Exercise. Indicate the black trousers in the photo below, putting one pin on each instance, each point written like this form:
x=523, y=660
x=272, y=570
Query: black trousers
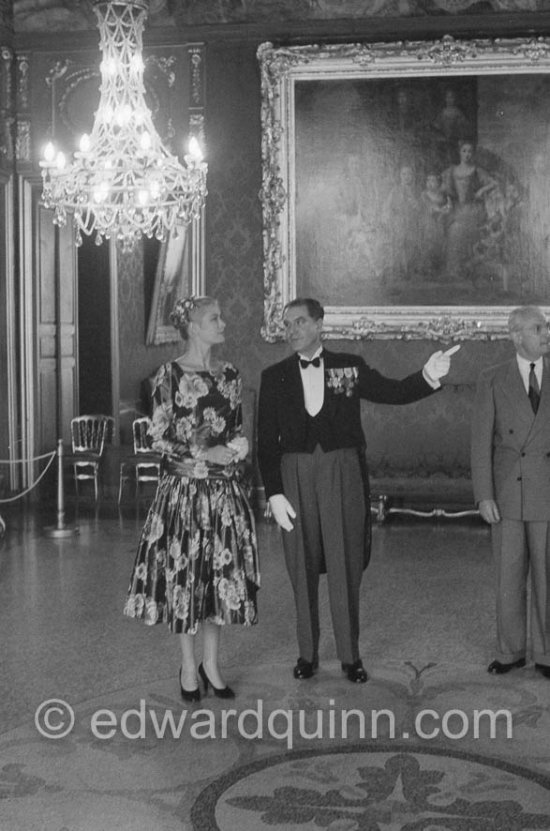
x=327, y=492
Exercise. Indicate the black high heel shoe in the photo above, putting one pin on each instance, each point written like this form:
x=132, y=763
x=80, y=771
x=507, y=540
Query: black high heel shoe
x=221, y=692
x=189, y=695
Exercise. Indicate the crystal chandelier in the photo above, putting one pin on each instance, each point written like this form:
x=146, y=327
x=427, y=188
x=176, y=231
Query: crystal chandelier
x=123, y=182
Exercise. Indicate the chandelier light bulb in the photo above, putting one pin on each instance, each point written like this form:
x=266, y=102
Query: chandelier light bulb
x=49, y=152
x=124, y=182
x=195, y=149
x=84, y=143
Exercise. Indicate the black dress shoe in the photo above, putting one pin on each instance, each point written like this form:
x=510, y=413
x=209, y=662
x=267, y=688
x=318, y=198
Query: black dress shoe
x=189, y=695
x=497, y=668
x=543, y=669
x=356, y=672
x=221, y=692
x=304, y=669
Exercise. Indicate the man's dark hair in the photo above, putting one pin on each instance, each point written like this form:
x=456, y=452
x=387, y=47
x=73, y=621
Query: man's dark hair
x=314, y=308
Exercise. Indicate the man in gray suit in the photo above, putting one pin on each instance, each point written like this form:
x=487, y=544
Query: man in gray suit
x=511, y=480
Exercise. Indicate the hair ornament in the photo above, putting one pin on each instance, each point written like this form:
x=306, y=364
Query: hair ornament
x=181, y=315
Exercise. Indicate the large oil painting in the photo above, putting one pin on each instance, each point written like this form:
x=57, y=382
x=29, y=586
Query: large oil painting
x=406, y=186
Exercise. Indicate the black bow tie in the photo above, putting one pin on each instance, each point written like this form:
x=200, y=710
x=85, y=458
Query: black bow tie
x=304, y=363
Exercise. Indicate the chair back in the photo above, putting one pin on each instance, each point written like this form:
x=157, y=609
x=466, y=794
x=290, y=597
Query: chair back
x=90, y=432
x=142, y=439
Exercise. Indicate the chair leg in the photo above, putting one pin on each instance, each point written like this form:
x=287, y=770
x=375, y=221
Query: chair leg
x=122, y=479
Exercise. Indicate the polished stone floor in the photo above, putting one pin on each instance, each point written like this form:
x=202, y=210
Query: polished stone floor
x=427, y=636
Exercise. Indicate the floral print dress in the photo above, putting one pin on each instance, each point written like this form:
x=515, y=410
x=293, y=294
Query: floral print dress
x=197, y=559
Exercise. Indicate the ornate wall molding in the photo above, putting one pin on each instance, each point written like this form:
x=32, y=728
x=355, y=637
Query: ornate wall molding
x=7, y=117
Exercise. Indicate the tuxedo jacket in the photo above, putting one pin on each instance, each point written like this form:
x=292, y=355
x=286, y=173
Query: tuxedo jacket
x=510, y=445
x=282, y=416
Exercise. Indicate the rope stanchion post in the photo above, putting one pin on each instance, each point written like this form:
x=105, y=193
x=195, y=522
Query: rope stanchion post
x=61, y=529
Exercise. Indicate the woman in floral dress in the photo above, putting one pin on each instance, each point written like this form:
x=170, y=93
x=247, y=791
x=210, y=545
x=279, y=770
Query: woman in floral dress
x=197, y=559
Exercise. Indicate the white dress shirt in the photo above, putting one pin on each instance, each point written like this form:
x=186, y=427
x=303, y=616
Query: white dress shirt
x=313, y=382
x=525, y=368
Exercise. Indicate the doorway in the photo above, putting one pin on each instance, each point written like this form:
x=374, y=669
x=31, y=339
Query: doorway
x=95, y=381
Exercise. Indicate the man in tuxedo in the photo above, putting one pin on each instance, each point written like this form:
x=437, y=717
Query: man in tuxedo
x=511, y=480
x=311, y=456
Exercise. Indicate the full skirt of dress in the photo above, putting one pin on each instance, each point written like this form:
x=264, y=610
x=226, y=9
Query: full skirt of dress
x=197, y=559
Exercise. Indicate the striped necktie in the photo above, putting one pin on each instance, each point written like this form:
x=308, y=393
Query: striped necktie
x=534, y=389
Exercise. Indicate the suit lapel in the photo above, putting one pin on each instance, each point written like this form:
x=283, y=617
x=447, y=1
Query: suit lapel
x=331, y=401
x=545, y=386
x=543, y=412
x=515, y=391
x=337, y=404
x=293, y=389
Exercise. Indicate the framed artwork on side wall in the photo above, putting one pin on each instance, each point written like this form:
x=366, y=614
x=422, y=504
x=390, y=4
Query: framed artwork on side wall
x=179, y=272
x=405, y=185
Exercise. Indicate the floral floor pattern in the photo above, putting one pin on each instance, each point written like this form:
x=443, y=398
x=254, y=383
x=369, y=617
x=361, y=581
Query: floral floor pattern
x=376, y=789
x=94, y=735
x=278, y=758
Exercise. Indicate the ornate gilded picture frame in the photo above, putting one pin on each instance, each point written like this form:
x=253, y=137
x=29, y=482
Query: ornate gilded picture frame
x=406, y=185
x=179, y=273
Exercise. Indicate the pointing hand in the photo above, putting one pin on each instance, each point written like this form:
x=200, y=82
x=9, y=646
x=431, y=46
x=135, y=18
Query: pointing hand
x=439, y=363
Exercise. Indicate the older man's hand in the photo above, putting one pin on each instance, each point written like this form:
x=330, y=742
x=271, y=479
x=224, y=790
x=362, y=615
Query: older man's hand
x=488, y=509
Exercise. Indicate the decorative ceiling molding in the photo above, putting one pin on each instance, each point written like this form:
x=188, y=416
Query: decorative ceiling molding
x=77, y=15
x=73, y=15
x=205, y=12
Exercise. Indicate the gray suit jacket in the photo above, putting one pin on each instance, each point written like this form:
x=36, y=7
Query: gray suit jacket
x=510, y=445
